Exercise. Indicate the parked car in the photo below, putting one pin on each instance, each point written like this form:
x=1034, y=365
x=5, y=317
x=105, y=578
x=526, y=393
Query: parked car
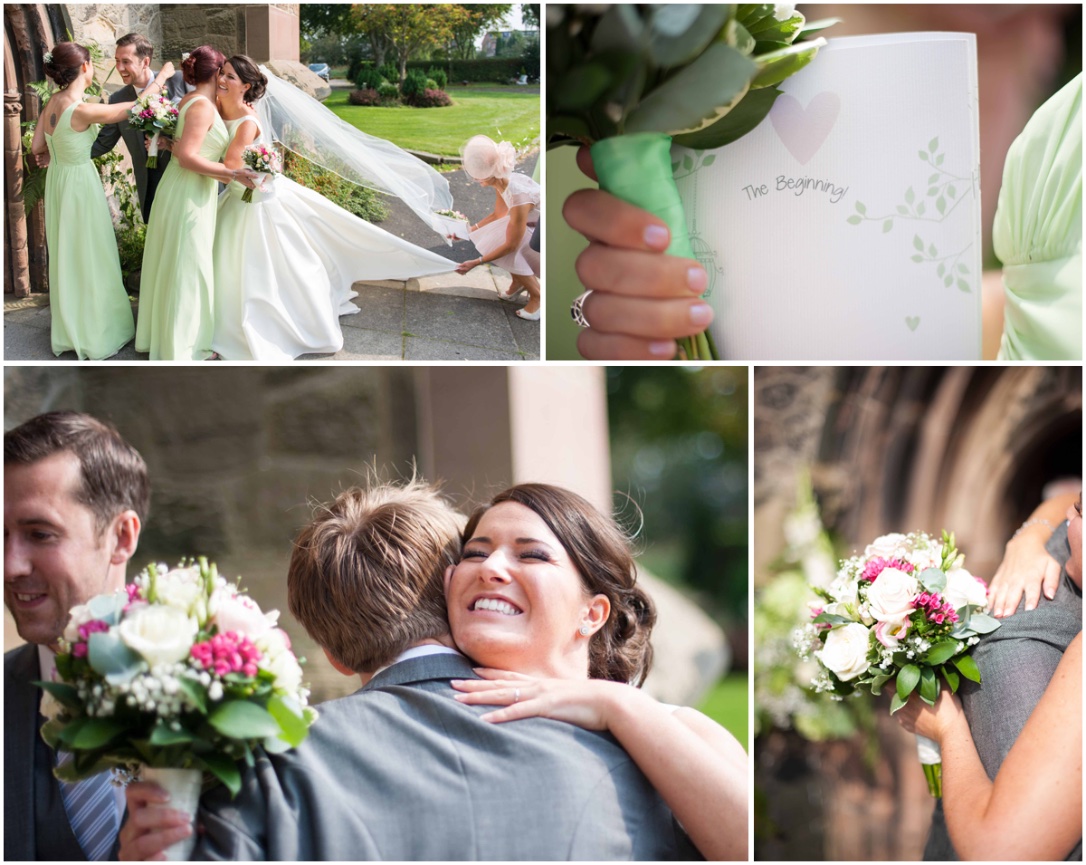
x=321, y=69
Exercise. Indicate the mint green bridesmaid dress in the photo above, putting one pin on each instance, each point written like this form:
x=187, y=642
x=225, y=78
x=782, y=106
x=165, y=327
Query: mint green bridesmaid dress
x=1037, y=233
x=88, y=305
x=177, y=286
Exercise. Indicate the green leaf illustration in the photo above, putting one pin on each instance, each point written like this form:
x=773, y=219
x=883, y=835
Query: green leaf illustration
x=952, y=192
x=940, y=204
x=933, y=179
x=932, y=191
x=918, y=243
x=708, y=160
x=902, y=209
x=949, y=279
x=910, y=196
x=964, y=286
x=962, y=268
x=939, y=159
x=860, y=207
x=854, y=219
x=932, y=251
x=920, y=209
x=942, y=269
x=933, y=145
x=923, y=155
x=886, y=226
x=674, y=167
x=918, y=258
x=688, y=163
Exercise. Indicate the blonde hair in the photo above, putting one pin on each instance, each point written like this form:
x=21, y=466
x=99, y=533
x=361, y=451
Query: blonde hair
x=366, y=576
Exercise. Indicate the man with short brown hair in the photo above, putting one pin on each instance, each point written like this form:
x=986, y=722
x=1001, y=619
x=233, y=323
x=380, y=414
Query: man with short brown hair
x=75, y=495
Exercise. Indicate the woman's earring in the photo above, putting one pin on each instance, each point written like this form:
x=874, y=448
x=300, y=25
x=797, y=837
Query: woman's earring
x=585, y=630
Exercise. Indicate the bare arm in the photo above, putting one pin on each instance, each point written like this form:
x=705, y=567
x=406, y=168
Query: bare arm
x=235, y=153
x=518, y=224
x=500, y=209
x=1027, y=568
x=696, y=766
x=1033, y=810
x=87, y=113
x=38, y=147
x=198, y=121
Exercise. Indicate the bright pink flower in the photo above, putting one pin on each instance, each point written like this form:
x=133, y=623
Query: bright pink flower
x=79, y=650
x=227, y=653
x=94, y=626
x=877, y=565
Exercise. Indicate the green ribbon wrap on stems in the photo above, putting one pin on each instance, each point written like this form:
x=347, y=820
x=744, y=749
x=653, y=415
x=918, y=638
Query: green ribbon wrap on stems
x=637, y=169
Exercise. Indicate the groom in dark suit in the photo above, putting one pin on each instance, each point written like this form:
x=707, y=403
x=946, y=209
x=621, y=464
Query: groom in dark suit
x=400, y=770
x=75, y=493
x=133, y=57
x=1016, y=662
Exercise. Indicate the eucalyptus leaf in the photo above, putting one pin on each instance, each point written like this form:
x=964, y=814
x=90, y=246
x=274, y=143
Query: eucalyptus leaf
x=982, y=623
x=697, y=95
x=932, y=579
x=775, y=67
x=679, y=32
x=620, y=28
x=110, y=657
x=742, y=119
x=109, y=607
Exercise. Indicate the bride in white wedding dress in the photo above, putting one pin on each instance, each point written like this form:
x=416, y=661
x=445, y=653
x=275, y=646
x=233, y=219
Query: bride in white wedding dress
x=285, y=262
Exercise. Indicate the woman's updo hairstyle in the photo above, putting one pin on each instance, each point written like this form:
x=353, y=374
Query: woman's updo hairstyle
x=202, y=64
x=248, y=73
x=63, y=64
x=598, y=548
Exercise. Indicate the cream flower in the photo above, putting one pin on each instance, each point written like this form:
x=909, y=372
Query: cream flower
x=159, y=634
x=890, y=598
x=845, y=651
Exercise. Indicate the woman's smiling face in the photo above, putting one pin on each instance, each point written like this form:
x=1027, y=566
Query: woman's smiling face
x=230, y=84
x=516, y=601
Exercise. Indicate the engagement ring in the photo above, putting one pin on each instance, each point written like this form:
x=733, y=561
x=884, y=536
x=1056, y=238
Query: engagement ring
x=577, y=310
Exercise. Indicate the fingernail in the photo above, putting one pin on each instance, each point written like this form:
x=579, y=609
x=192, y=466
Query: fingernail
x=701, y=314
x=657, y=236
x=697, y=280
x=662, y=348
x=1050, y=594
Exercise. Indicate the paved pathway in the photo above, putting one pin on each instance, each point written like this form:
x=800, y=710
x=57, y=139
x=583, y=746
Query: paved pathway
x=445, y=317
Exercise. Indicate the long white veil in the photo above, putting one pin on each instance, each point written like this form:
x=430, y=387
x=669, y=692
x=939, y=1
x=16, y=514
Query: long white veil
x=300, y=123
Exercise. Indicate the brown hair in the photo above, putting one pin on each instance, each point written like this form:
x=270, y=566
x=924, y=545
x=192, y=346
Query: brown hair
x=66, y=60
x=366, y=578
x=140, y=43
x=202, y=64
x=620, y=650
x=248, y=73
x=113, y=474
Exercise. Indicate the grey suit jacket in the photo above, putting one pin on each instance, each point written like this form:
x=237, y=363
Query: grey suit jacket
x=35, y=822
x=111, y=133
x=400, y=770
x=1016, y=662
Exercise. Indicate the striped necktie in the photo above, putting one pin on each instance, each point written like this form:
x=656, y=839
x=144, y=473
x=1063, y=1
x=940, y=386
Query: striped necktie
x=92, y=811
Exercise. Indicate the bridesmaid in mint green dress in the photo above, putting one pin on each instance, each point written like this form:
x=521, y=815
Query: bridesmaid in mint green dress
x=177, y=287
x=89, y=308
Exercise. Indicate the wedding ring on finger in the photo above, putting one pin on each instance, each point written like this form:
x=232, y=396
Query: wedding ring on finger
x=577, y=310
x=516, y=695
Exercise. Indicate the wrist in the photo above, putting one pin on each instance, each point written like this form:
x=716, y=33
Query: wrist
x=1037, y=527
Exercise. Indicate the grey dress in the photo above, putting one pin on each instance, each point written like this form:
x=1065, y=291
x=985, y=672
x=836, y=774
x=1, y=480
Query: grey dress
x=1016, y=663
x=400, y=770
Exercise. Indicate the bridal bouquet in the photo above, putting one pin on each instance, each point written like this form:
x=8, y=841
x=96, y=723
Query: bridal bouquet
x=453, y=223
x=264, y=159
x=177, y=671
x=631, y=79
x=908, y=610
x=154, y=114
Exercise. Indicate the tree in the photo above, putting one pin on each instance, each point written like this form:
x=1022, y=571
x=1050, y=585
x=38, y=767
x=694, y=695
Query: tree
x=480, y=16
x=529, y=15
x=322, y=19
x=405, y=30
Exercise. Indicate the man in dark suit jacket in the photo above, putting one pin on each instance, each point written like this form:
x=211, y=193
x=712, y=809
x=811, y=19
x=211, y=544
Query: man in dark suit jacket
x=133, y=57
x=1016, y=661
x=74, y=496
x=401, y=770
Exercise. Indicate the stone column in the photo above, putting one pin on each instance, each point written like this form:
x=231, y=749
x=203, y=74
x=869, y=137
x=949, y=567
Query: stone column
x=17, y=274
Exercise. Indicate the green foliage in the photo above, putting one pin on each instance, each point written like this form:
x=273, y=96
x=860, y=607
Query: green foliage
x=438, y=76
x=414, y=83
x=368, y=78
x=497, y=69
x=362, y=202
x=389, y=93
x=389, y=72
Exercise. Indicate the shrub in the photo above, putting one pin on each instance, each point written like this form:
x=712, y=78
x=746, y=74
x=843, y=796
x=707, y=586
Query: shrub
x=415, y=82
x=368, y=78
x=483, y=69
x=390, y=72
x=431, y=84
x=429, y=98
x=438, y=76
x=362, y=202
x=364, y=97
x=388, y=92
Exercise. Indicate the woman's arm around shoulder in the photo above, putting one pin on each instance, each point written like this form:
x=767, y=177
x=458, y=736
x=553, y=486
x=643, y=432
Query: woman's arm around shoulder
x=243, y=137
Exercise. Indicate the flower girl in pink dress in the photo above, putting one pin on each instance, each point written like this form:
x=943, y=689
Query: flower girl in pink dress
x=503, y=236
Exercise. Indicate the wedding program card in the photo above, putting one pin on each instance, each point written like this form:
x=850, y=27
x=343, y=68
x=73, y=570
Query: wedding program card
x=847, y=225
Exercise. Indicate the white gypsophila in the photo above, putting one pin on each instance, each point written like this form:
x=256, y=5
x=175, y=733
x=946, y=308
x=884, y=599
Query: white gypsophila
x=963, y=589
x=890, y=598
x=287, y=672
x=159, y=634
x=845, y=651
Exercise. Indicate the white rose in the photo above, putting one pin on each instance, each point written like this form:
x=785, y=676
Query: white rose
x=160, y=634
x=888, y=547
x=272, y=643
x=287, y=671
x=890, y=598
x=237, y=613
x=962, y=589
x=845, y=651
x=181, y=588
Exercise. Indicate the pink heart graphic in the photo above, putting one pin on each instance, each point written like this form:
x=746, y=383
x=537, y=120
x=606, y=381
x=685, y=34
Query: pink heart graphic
x=804, y=130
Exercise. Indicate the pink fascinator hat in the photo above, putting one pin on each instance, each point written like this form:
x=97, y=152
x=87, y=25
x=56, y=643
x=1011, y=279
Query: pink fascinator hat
x=485, y=158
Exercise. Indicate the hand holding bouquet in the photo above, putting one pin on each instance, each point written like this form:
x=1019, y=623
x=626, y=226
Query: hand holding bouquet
x=453, y=223
x=907, y=610
x=629, y=80
x=153, y=114
x=264, y=160
x=178, y=670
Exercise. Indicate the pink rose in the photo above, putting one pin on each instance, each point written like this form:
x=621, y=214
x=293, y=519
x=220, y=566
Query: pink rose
x=238, y=613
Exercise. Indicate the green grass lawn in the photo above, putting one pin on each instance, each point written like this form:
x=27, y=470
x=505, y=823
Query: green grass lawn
x=727, y=705
x=503, y=113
